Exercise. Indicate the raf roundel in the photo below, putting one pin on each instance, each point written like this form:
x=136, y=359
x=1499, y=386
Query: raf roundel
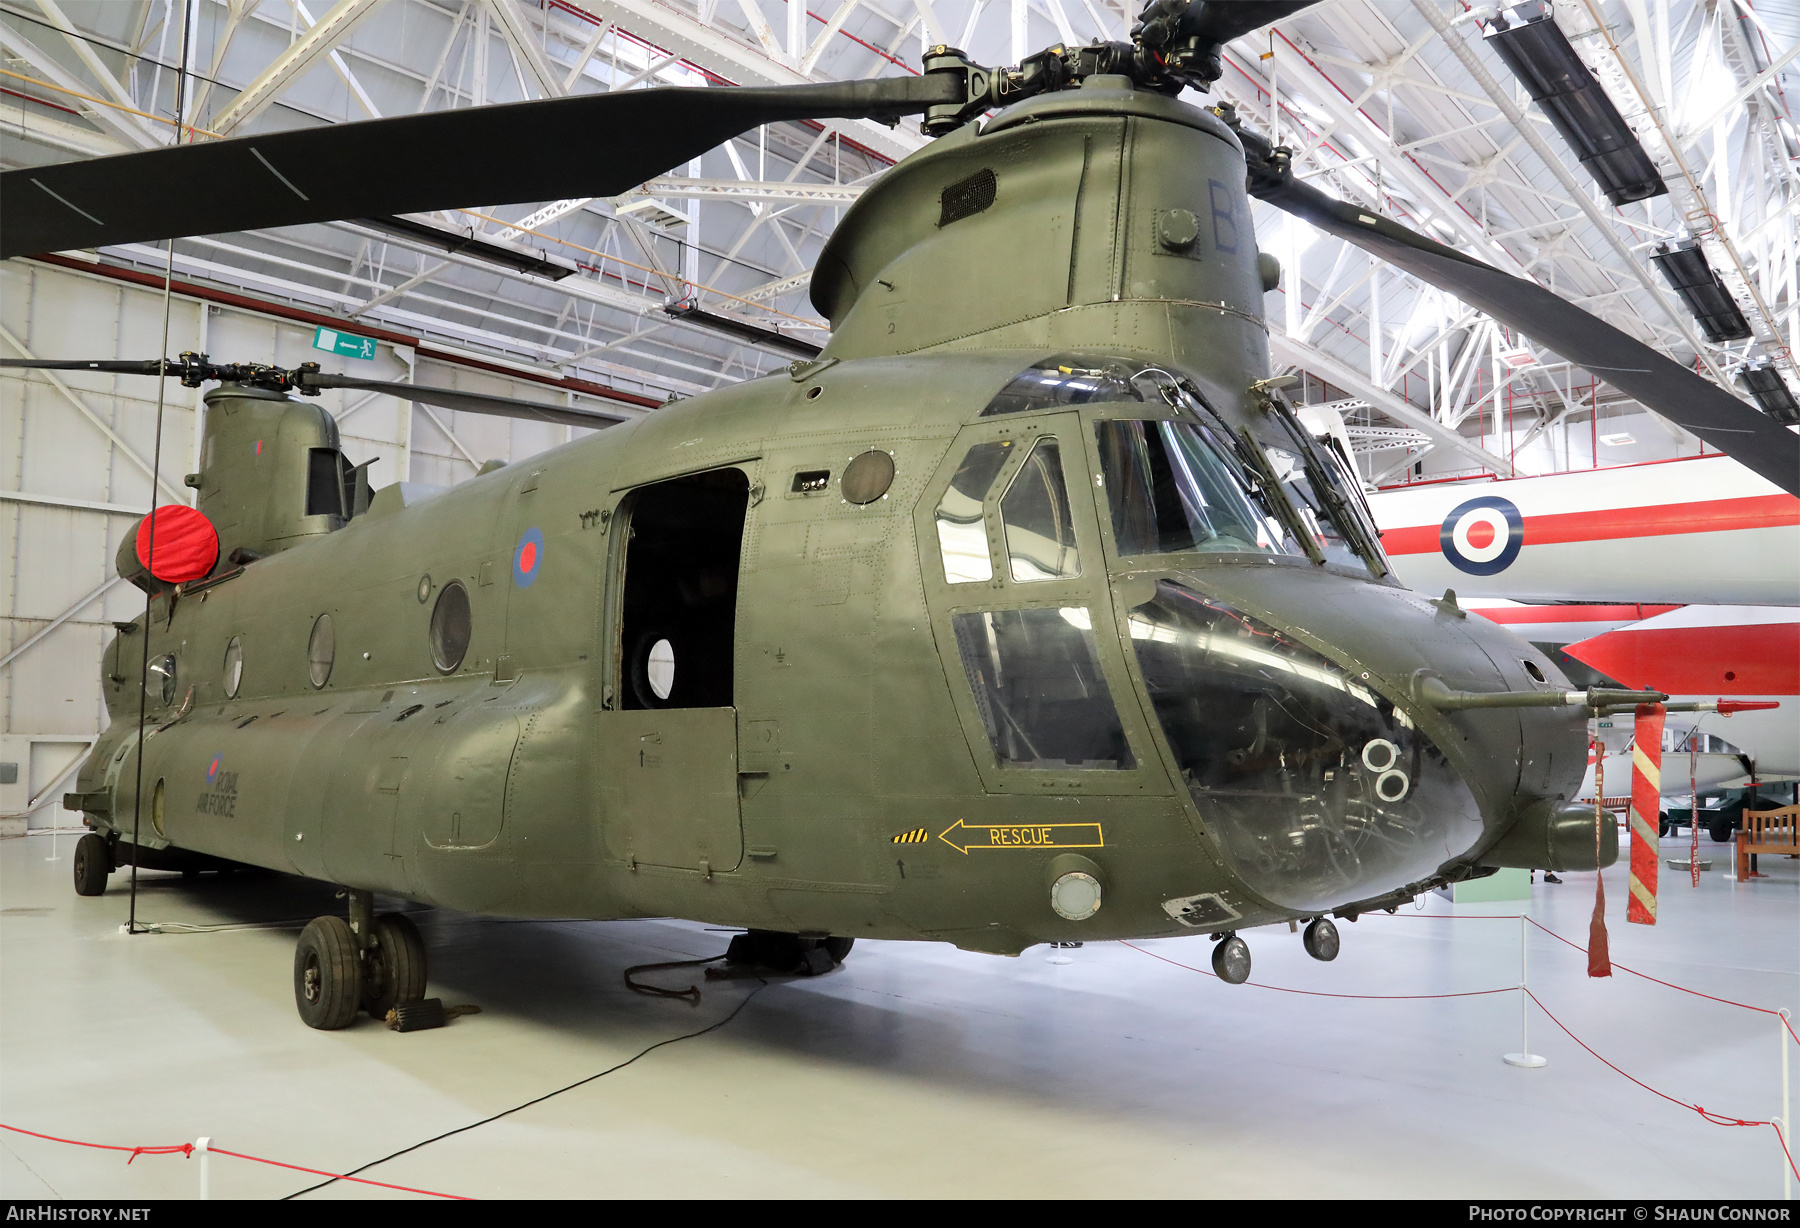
x=1483, y=536
x=528, y=557
x=212, y=768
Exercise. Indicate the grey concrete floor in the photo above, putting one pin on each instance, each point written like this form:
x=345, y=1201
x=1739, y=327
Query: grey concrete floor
x=913, y=1070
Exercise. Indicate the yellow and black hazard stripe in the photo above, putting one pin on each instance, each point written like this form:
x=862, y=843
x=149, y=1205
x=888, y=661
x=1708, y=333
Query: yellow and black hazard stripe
x=917, y=835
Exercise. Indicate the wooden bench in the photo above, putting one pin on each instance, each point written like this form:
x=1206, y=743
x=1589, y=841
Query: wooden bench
x=1776, y=832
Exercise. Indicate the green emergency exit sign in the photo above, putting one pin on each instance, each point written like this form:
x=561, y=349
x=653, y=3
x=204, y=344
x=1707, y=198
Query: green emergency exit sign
x=348, y=344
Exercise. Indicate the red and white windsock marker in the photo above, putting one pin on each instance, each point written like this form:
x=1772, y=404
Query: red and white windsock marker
x=1646, y=807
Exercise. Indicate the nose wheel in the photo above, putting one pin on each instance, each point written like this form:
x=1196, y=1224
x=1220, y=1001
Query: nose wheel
x=1231, y=960
x=1321, y=939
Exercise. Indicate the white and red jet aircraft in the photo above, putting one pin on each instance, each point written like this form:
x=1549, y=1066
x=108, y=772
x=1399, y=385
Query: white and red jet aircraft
x=1747, y=653
x=1560, y=623
x=1701, y=531
x=1695, y=529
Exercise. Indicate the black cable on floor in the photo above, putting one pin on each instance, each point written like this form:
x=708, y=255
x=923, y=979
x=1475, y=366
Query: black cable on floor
x=711, y=1027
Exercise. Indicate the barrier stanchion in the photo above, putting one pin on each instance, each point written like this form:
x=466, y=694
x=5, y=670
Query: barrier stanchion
x=203, y=1147
x=1524, y=1057
x=1782, y=1130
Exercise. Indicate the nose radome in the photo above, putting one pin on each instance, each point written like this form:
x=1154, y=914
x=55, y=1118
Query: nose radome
x=1317, y=781
x=1385, y=789
x=1396, y=639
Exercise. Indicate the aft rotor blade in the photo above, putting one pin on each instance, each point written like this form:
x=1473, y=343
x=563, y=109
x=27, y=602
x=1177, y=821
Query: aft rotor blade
x=468, y=402
x=114, y=366
x=550, y=149
x=1666, y=387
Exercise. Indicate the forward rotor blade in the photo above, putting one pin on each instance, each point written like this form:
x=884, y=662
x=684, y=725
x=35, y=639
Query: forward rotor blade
x=1220, y=22
x=115, y=366
x=468, y=402
x=551, y=149
x=1668, y=388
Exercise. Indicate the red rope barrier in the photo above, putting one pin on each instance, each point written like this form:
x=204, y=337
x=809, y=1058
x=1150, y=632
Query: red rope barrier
x=1786, y=1023
x=1314, y=993
x=1717, y=1119
x=181, y=1149
x=319, y=1172
x=1762, y=1010
x=186, y=1150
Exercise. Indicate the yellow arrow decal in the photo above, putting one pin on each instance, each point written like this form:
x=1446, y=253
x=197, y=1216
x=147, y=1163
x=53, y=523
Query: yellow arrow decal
x=965, y=836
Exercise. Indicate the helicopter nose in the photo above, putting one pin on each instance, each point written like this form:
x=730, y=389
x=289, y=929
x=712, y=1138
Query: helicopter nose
x=1292, y=701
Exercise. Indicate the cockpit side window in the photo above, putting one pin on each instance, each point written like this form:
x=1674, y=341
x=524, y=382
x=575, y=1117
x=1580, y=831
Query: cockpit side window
x=1172, y=486
x=962, y=537
x=1040, y=691
x=1040, y=530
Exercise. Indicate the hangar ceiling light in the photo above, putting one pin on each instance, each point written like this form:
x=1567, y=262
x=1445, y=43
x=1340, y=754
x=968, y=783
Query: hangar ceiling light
x=1685, y=268
x=1765, y=385
x=1544, y=62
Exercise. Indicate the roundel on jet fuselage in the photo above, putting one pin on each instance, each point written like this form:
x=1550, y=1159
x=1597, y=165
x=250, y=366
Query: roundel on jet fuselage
x=1482, y=536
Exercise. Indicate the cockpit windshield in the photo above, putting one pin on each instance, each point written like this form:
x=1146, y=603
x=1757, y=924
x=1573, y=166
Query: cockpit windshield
x=1315, y=513
x=1192, y=484
x=1175, y=486
x=1314, y=478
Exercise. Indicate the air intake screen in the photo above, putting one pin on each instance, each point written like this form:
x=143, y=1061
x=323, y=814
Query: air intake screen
x=966, y=197
x=324, y=487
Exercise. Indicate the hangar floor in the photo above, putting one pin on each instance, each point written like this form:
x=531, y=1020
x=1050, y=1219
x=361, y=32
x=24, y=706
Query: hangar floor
x=913, y=1070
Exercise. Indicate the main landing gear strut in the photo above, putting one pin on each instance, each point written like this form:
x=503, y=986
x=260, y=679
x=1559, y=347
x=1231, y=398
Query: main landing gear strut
x=366, y=962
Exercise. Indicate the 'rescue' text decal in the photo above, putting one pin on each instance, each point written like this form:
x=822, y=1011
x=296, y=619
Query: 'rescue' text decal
x=966, y=836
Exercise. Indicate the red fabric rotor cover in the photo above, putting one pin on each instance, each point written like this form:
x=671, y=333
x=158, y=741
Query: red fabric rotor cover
x=187, y=545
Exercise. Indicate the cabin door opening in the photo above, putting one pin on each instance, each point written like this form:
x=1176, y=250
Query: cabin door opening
x=680, y=606
x=671, y=741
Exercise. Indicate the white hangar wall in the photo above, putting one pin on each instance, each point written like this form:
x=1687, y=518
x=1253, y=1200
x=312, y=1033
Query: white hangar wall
x=75, y=457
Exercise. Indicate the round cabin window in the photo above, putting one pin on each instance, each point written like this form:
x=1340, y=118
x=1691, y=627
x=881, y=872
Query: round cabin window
x=659, y=669
x=234, y=666
x=321, y=651
x=450, y=627
x=867, y=477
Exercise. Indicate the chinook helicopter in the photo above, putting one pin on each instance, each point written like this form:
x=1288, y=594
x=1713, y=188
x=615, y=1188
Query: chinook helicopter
x=1027, y=612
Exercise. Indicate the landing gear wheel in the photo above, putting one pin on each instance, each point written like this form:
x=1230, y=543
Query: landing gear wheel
x=1720, y=832
x=1663, y=826
x=93, y=862
x=327, y=976
x=839, y=948
x=393, y=968
x=1321, y=939
x=1231, y=960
